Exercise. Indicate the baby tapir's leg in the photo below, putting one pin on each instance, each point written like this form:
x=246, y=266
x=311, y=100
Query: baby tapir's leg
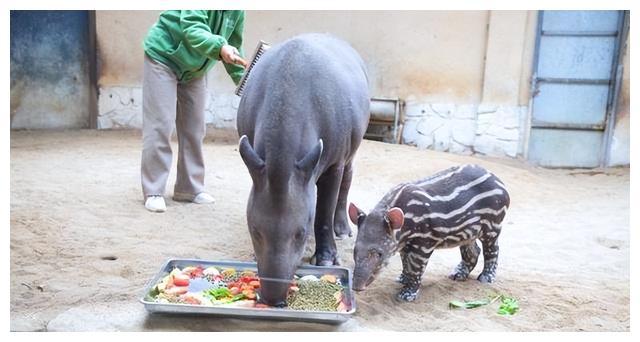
x=490, y=252
x=415, y=264
x=470, y=253
x=402, y=278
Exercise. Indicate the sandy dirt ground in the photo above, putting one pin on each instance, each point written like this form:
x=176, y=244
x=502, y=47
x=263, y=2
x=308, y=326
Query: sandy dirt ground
x=83, y=246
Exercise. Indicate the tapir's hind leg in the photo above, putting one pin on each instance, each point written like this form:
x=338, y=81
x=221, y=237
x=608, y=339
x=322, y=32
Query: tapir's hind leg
x=340, y=222
x=328, y=187
x=490, y=251
x=470, y=254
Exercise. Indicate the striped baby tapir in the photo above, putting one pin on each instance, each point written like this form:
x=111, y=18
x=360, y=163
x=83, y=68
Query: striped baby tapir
x=452, y=208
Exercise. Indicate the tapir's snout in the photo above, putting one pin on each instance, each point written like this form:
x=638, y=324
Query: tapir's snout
x=274, y=292
x=361, y=283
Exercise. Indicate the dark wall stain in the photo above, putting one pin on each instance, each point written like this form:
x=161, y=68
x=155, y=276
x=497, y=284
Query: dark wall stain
x=49, y=69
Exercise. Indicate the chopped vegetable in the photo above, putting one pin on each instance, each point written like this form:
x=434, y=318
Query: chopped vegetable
x=218, y=293
x=508, y=306
x=181, y=280
x=309, y=278
x=177, y=290
x=329, y=278
x=469, y=304
x=193, y=272
x=212, y=271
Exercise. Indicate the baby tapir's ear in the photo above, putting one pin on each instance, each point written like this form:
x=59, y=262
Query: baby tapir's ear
x=396, y=218
x=354, y=213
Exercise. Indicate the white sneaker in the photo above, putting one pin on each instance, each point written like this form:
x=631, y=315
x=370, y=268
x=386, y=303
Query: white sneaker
x=203, y=198
x=155, y=204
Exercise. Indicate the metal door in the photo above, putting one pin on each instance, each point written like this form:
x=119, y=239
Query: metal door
x=51, y=83
x=574, y=73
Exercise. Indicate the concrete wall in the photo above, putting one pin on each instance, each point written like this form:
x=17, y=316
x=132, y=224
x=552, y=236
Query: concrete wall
x=434, y=60
x=426, y=56
x=120, y=56
x=464, y=76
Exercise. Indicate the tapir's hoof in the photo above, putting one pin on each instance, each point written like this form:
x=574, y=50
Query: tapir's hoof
x=324, y=262
x=459, y=275
x=342, y=231
x=407, y=295
x=486, y=278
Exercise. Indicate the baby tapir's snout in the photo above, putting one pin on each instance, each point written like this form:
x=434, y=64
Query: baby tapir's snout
x=375, y=244
x=453, y=208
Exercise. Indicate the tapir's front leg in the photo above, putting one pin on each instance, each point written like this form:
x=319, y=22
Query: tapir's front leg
x=416, y=263
x=328, y=187
x=402, y=278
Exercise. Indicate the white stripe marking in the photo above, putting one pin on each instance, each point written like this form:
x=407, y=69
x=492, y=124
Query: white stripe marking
x=393, y=202
x=457, y=190
x=417, y=202
x=500, y=184
x=421, y=258
x=445, y=176
x=462, y=225
x=461, y=210
x=490, y=211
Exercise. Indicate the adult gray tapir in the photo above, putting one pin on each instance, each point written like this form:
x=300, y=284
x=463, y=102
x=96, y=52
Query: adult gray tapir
x=301, y=119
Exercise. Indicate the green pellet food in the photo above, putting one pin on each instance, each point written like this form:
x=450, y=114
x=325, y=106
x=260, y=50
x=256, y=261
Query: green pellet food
x=316, y=295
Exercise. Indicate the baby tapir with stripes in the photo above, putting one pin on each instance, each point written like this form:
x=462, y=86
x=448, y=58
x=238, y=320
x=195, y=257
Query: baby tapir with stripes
x=452, y=208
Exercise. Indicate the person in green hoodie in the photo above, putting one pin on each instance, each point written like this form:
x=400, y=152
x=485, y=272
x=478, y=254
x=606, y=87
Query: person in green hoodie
x=180, y=48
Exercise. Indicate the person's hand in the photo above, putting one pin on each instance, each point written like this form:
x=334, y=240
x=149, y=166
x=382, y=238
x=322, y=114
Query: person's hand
x=230, y=55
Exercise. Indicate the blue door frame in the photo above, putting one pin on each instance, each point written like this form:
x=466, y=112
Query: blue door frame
x=575, y=81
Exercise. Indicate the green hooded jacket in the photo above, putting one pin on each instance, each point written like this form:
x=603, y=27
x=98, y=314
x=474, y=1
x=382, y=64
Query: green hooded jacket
x=189, y=42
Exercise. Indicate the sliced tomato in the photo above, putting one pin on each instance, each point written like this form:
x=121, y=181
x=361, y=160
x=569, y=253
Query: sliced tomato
x=234, y=290
x=255, y=283
x=181, y=280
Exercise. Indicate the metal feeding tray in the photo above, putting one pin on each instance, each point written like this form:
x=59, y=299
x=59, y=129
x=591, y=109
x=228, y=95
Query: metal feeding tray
x=344, y=274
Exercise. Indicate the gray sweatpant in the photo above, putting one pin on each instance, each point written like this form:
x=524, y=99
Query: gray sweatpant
x=165, y=101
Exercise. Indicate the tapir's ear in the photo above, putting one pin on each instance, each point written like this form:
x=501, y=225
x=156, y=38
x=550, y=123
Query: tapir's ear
x=355, y=213
x=254, y=163
x=396, y=218
x=310, y=161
